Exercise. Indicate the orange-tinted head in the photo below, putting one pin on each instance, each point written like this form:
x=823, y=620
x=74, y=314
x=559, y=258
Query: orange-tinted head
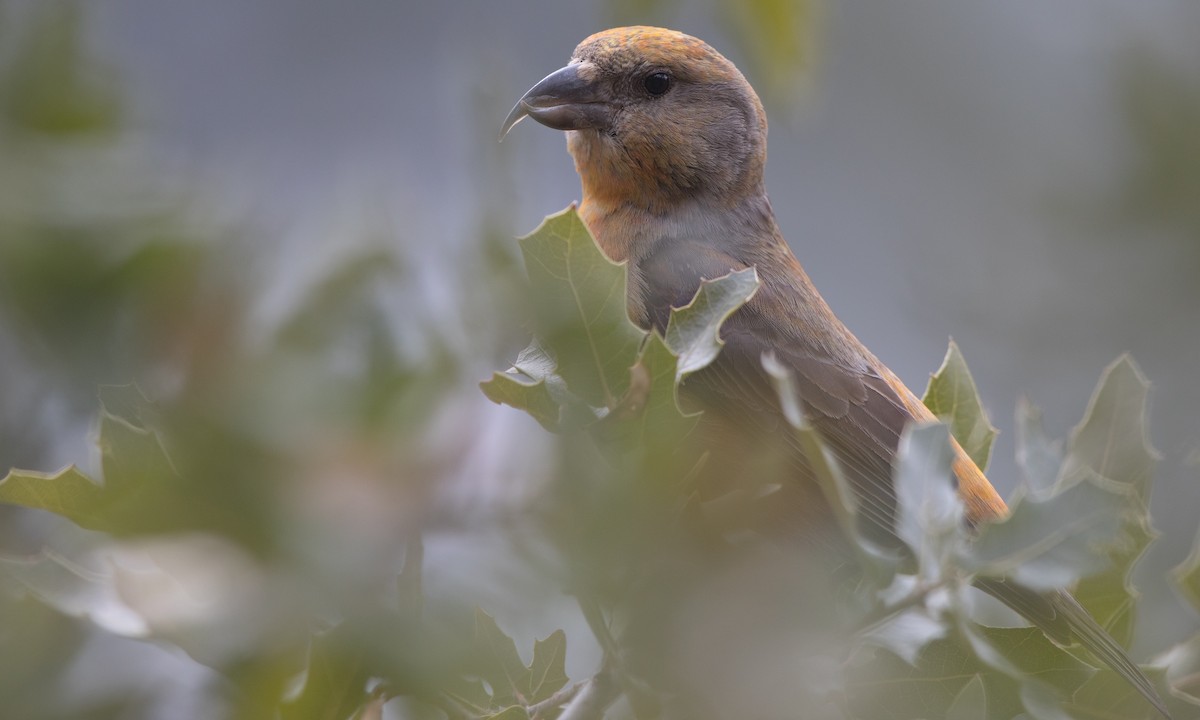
x=655, y=118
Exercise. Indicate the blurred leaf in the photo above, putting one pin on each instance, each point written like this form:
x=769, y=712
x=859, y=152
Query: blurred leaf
x=52, y=87
x=1025, y=653
x=499, y=662
x=1049, y=544
x=580, y=303
x=517, y=390
x=887, y=687
x=548, y=670
x=649, y=420
x=1105, y=696
x=1110, y=443
x=335, y=681
x=1187, y=575
x=329, y=310
x=68, y=492
x=953, y=397
x=779, y=37
x=929, y=513
x=834, y=486
x=971, y=702
x=1039, y=457
x=1182, y=664
x=906, y=633
x=694, y=330
x=515, y=712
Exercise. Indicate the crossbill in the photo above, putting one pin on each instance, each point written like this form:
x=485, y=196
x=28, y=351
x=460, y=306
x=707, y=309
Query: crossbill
x=670, y=143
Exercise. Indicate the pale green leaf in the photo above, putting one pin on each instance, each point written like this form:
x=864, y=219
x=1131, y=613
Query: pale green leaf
x=928, y=509
x=548, y=670
x=1110, y=446
x=579, y=298
x=518, y=390
x=1039, y=457
x=694, y=330
x=1049, y=543
x=499, y=662
x=335, y=680
x=970, y=703
x=1106, y=696
x=1187, y=575
x=952, y=396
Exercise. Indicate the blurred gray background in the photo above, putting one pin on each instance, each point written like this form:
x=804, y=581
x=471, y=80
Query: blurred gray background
x=1022, y=176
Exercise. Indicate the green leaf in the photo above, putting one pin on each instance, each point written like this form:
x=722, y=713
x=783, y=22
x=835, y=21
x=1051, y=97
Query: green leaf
x=970, y=703
x=1049, y=543
x=1110, y=442
x=694, y=330
x=518, y=390
x=928, y=510
x=952, y=396
x=650, y=418
x=1182, y=664
x=67, y=492
x=1187, y=575
x=1110, y=446
x=548, y=670
x=1106, y=696
x=579, y=297
x=499, y=663
x=1026, y=653
x=1039, y=457
x=335, y=681
x=888, y=687
x=134, y=498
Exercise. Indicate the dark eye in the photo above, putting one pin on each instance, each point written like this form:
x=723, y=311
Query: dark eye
x=657, y=83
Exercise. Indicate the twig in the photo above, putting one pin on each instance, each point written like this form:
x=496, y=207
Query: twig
x=593, y=698
x=558, y=699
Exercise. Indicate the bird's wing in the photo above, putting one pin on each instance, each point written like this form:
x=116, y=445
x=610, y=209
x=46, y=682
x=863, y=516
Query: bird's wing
x=858, y=413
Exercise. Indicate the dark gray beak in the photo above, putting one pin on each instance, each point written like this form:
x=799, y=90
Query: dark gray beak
x=564, y=100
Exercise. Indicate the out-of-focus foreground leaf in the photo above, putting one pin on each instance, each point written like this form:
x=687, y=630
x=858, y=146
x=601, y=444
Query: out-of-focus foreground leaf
x=1111, y=445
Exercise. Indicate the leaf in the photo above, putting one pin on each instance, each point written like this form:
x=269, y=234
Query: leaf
x=1111, y=440
x=694, y=330
x=650, y=419
x=579, y=298
x=886, y=687
x=134, y=498
x=548, y=670
x=953, y=397
x=1110, y=446
x=970, y=703
x=1187, y=575
x=335, y=680
x=1025, y=653
x=1106, y=696
x=1182, y=663
x=928, y=509
x=499, y=663
x=1050, y=543
x=1039, y=457
x=517, y=390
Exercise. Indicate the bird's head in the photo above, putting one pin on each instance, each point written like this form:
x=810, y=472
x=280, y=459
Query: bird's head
x=654, y=119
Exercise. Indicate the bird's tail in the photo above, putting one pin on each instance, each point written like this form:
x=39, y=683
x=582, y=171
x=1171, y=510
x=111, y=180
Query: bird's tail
x=1065, y=621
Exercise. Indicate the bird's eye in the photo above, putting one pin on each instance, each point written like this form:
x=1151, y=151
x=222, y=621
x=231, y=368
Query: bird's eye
x=657, y=83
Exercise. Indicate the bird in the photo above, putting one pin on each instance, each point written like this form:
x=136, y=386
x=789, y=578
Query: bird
x=670, y=143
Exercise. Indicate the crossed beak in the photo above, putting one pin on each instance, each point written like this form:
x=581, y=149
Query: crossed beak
x=566, y=99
